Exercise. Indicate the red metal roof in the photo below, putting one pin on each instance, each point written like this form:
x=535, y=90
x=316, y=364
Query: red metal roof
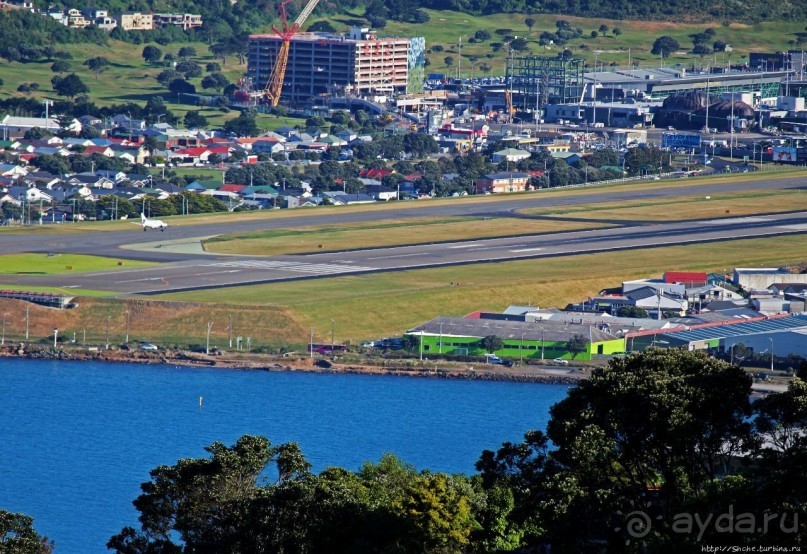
x=684, y=277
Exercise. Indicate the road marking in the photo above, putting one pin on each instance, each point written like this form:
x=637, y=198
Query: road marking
x=399, y=256
x=464, y=246
x=796, y=227
x=496, y=247
x=737, y=220
x=528, y=250
x=296, y=267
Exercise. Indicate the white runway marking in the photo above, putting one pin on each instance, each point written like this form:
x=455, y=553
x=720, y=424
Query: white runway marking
x=464, y=246
x=738, y=220
x=297, y=267
x=528, y=250
x=796, y=227
x=399, y=256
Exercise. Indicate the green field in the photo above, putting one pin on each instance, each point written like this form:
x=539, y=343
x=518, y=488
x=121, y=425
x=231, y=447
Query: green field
x=55, y=264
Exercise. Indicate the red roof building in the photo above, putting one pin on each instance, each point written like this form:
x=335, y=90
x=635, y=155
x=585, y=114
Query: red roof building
x=232, y=188
x=688, y=278
x=374, y=173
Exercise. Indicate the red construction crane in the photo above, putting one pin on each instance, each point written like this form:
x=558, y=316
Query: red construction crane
x=275, y=84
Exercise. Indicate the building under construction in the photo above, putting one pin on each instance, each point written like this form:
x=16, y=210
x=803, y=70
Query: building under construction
x=538, y=81
x=358, y=63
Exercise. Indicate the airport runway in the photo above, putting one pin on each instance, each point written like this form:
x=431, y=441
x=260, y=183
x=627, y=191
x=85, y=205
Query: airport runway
x=203, y=272
x=110, y=243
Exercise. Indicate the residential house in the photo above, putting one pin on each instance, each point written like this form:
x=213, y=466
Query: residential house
x=380, y=192
x=91, y=180
x=100, y=18
x=495, y=183
x=76, y=19
x=12, y=171
x=267, y=145
x=136, y=21
x=510, y=155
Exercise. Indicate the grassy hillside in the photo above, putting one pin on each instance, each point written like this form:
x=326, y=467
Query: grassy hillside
x=128, y=78
x=445, y=28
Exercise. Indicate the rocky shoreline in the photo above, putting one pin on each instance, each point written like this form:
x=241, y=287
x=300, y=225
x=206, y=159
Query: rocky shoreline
x=266, y=362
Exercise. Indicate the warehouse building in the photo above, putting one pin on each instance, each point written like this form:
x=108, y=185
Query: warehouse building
x=358, y=63
x=463, y=336
x=784, y=335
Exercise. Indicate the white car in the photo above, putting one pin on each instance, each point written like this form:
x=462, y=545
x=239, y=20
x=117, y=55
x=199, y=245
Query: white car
x=560, y=361
x=148, y=346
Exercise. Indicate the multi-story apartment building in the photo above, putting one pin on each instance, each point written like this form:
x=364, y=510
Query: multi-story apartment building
x=358, y=62
x=136, y=21
x=184, y=20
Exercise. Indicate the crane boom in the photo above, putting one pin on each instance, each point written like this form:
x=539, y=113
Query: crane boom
x=274, y=87
x=305, y=13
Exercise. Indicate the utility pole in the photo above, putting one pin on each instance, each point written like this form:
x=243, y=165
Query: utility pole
x=207, y=342
x=127, y=326
x=26, y=322
x=107, y=331
x=3, y=340
x=55, y=336
x=333, y=325
x=311, y=343
x=231, y=330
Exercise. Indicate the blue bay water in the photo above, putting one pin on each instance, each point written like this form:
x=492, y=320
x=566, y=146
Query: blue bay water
x=77, y=439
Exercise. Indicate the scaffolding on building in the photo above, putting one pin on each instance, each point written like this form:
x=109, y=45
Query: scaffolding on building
x=537, y=81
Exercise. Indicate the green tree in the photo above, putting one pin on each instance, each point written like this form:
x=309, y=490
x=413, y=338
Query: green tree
x=97, y=65
x=631, y=311
x=70, y=86
x=195, y=120
x=152, y=54
x=17, y=535
x=181, y=86
x=212, y=67
x=449, y=61
x=244, y=125
x=60, y=66
x=603, y=29
x=530, y=23
x=664, y=46
x=187, y=52
x=576, y=345
x=492, y=343
x=439, y=508
x=215, y=81
x=189, y=69
x=165, y=77
x=616, y=31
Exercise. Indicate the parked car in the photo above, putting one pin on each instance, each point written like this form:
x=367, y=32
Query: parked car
x=560, y=361
x=148, y=346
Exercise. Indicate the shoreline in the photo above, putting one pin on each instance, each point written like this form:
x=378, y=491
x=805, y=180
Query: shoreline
x=269, y=362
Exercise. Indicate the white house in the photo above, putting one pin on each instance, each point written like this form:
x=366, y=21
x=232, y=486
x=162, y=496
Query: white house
x=16, y=124
x=510, y=155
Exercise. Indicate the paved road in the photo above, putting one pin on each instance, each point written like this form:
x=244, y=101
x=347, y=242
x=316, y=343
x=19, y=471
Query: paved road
x=201, y=272
x=109, y=243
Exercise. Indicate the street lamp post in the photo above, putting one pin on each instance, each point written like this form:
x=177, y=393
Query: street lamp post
x=107, y=331
x=520, y=350
x=771, y=341
x=440, y=350
x=55, y=336
x=207, y=340
x=127, y=326
x=542, y=343
x=333, y=325
x=3, y=340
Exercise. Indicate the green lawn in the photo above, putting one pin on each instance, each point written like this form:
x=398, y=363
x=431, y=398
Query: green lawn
x=55, y=264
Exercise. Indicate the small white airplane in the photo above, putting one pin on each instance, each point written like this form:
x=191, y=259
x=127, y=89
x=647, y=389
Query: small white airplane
x=147, y=223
